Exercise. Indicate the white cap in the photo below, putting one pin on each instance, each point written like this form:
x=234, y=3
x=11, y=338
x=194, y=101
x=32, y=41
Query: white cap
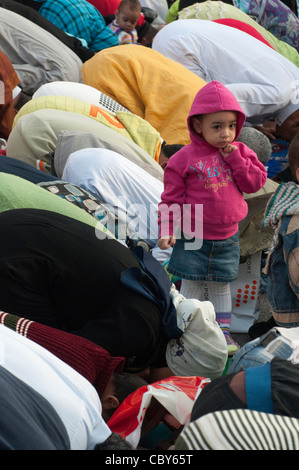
x=286, y=112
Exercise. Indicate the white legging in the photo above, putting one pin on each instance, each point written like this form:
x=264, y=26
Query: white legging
x=216, y=292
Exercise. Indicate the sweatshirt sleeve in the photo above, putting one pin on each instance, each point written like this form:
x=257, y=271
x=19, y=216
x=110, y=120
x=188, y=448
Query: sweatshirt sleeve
x=248, y=172
x=172, y=199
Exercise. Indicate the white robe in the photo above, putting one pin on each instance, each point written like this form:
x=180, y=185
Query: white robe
x=74, y=398
x=127, y=190
x=37, y=56
x=263, y=81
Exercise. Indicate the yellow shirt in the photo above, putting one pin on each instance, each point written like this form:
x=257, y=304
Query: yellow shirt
x=158, y=89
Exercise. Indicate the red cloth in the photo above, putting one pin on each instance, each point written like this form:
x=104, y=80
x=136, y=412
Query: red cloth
x=141, y=19
x=105, y=7
x=87, y=358
x=109, y=7
x=243, y=27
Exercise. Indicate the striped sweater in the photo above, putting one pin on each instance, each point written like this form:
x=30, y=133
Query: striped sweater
x=240, y=429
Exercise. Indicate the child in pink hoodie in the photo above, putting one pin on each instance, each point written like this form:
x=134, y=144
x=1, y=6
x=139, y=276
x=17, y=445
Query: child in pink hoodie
x=202, y=202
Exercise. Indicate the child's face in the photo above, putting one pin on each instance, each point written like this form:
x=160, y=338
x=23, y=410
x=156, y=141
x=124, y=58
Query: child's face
x=218, y=129
x=127, y=18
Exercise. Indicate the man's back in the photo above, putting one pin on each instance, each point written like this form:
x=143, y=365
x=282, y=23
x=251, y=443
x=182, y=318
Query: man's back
x=81, y=19
x=260, y=77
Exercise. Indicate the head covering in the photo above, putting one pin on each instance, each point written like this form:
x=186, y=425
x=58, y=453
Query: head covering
x=212, y=98
x=87, y=93
x=257, y=141
x=90, y=360
x=202, y=349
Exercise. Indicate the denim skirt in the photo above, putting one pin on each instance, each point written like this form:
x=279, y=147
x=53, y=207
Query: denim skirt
x=215, y=260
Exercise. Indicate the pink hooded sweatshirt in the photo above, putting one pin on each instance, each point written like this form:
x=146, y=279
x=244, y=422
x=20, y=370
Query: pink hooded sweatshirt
x=198, y=174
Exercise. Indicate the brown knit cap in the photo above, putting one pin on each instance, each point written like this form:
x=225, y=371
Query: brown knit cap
x=86, y=357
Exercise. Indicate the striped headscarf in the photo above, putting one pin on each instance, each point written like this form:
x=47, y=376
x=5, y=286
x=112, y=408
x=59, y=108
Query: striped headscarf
x=285, y=201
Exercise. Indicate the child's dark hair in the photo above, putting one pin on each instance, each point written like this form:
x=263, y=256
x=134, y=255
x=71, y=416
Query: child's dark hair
x=132, y=4
x=197, y=116
x=171, y=149
x=293, y=155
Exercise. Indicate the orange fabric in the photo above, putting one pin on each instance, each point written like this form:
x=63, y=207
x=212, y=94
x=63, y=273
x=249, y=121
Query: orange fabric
x=8, y=81
x=150, y=85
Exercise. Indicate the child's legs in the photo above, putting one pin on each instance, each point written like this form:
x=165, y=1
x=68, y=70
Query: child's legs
x=220, y=296
x=193, y=289
x=218, y=293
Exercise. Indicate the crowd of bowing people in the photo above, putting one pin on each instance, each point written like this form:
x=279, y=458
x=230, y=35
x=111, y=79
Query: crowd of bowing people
x=103, y=104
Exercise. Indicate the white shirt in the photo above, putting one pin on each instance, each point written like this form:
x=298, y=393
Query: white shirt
x=126, y=189
x=263, y=81
x=117, y=182
x=37, y=55
x=71, y=395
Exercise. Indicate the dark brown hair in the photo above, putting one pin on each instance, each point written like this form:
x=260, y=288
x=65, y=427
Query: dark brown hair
x=132, y=4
